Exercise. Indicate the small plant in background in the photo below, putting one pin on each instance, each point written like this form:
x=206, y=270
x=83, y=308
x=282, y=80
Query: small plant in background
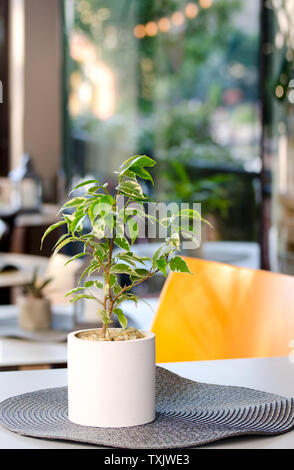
x=106, y=245
x=35, y=288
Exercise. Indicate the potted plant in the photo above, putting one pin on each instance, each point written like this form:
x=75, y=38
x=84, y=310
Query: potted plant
x=111, y=371
x=34, y=307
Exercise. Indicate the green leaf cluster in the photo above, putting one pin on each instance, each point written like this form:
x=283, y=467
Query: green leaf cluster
x=108, y=250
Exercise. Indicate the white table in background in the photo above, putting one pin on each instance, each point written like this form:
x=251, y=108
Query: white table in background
x=273, y=375
x=15, y=352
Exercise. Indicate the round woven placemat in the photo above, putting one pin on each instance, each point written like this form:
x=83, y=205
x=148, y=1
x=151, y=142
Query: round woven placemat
x=188, y=414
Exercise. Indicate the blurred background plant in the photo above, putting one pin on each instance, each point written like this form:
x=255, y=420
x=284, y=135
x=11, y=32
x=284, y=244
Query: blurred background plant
x=175, y=80
x=35, y=287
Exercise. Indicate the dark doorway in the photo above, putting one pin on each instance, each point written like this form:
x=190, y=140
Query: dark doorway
x=4, y=102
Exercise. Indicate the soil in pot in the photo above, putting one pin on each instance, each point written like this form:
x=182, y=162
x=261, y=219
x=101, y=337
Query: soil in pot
x=112, y=334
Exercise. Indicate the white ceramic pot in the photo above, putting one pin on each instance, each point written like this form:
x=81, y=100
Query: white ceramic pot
x=34, y=313
x=111, y=383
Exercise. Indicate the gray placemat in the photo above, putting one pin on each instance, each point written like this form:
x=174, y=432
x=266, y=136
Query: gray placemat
x=188, y=414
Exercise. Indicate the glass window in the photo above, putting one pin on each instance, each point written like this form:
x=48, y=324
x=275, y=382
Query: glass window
x=175, y=80
x=4, y=115
x=279, y=133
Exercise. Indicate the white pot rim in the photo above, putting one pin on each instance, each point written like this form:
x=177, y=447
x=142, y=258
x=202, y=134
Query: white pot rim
x=147, y=336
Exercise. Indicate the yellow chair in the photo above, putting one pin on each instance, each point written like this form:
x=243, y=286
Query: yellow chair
x=224, y=312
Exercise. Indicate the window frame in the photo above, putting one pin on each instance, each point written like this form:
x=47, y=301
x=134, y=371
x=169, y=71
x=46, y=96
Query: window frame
x=4, y=77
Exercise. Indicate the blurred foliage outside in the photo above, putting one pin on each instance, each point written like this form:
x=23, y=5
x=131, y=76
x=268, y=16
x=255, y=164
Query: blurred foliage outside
x=187, y=96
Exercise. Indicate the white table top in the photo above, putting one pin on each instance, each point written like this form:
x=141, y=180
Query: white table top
x=275, y=375
x=17, y=352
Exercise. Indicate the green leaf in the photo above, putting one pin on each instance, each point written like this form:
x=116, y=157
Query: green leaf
x=134, y=257
x=162, y=265
x=63, y=237
x=81, y=296
x=103, y=315
x=97, y=187
x=99, y=229
x=128, y=259
x=177, y=264
x=139, y=274
x=50, y=229
x=133, y=229
x=138, y=161
x=135, y=212
x=121, y=317
x=74, y=291
x=89, y=270
x=85, y=183
x=112, y=280
x=163, y=251
x=79, y=255
x=99, y=284
x=133, y=298
x=117, y=289
x=94, y=189
x=174, y=241
x=122, y=242
x=101, y=207
x=100, y=250
x=144, y=174
x=68, y=219
x=89, y=284
x=109, y=221
x=190, y=213
x=94, y=266
x=131, y=189
x=62, y=244
x=121, y=268
x=75, y=202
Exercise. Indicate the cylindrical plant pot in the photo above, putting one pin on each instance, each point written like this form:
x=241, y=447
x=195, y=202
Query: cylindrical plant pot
x=111, y=383
x=34, y=313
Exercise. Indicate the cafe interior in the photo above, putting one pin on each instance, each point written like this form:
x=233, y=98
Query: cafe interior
x=205, y=89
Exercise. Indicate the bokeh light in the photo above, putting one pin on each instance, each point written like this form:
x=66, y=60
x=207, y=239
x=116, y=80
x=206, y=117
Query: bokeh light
x=151, y=28
x=279, y=91
x=139, y=31
x=291, y=97
x=205, y=3
x=191, y=10
x=164, y=24
x=178, y=18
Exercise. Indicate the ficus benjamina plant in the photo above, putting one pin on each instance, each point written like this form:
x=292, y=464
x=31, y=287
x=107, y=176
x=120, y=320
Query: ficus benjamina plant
x=98, y=222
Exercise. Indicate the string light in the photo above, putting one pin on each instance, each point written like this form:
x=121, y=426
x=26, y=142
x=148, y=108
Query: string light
x=178, y=18
x=279, y=91
x=164, y=24
x=191, y=10
x=151, y=28
x=139, y=31
x=205, y=3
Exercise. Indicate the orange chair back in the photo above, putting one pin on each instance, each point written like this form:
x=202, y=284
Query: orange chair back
x=224, y=312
